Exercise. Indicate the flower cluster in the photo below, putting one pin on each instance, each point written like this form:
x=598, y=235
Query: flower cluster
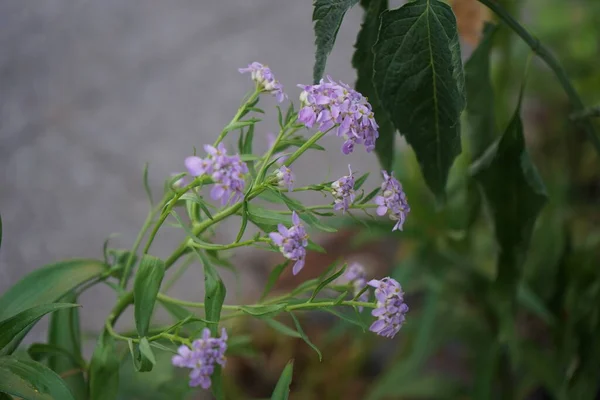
x=343, y=191
x=285, y=178
x=330, y=103
x=391, y=309
x=393, y=200
x=262, y=75
x=226, y=171
x=202, y=357
x=357, y=276
x=292, y=242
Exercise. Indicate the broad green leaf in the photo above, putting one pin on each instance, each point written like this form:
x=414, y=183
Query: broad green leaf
x=325, y=282
x=216, y=386
x=41, y=351
x=327, y=17
x=282, y=389
x=304, y=337
x=214, y=292
x=30, y=380
x=419, y=80
x=104, y=369
x=48, y=284
x=272, y=279
x=64, y=333
x=362, y=61
x=266, y=311
x=267, y=217
x=282, y=328
x=142, y=355
x=11, y=329
x=480, y=95
x=145, y=289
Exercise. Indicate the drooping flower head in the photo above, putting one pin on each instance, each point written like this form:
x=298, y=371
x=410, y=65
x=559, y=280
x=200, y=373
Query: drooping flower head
x=392, y=200
x=357, y=276
x=391, y=309
x=285, y=177
x=262, y=75
x=202, y=357
x=226, y=171
x=343, y=191
x=292, y=242
x=331, y=103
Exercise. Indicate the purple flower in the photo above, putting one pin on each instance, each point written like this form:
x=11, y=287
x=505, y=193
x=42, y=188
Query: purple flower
x=357, y=276
x=393, y=201
x=202, y=357
x=330, y=103
x=226, y=171
x=262, y=75
x=391, y=309
x=278, y=156
x=292, y=242
x=180, y=182
x=343, y=191
x=285, y=177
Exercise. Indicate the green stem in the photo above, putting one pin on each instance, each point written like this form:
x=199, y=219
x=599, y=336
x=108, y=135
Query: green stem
x=552, y=62
x=171, y=300
x=237, y=116
x=304, y=147
x=219, y=247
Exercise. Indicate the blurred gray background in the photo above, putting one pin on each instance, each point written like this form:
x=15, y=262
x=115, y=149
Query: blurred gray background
x=91, y=90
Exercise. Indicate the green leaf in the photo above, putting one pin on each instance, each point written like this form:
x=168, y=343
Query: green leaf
x=267, y=217
x=480, y=95
x=214, y=292
x=369, y=196
x=314, y=222
x=360, y=181
x=304, y=337
x=362, y=61
x=48, y=284
x=327, y=281
x=145, y=289
x=419, y=80
x=147, y=185
x=272, y=279
x=244, y=222
x=351, y=318
x=485, y=371
x=142, y=355
x=266, y=311
x=281, y=328
x=181, y=313
x=312, y=246
x=104, y=369
x=64, y=333
x=282, y=389
x=30, y=380
x=532, y=302
x=327, y=16
x=240, y=124
x=11, y=329
x=41, y=351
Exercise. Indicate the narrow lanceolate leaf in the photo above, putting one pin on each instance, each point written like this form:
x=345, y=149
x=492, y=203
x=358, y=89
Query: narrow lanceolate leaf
x=65, y=333
x=29, y=380
x=214, y=292
x=327, y=16
x=304, y=337
x=480, y=96
x=145, y=289
x=419, y=80
x=282, y=389
x=272, y=279
x=104, y=369
x=362, y=61
x=11, y=329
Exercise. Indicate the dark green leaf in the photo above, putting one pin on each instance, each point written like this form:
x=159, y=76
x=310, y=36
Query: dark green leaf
x=247, y=148
x=64, y=333
x=30, y=380
x=304, y=337
x=272, y=279
x=314, y=222
x=282, y=389
x=216, y=386
x=532, y=302
x=41, y=351
x=362, y=61
x=214, y=292
x=480, y=95
x=11, y=329
x=352, y=317
x=267, y=217
x=315, y=247
x=419, y=80
x=48, y=284
x=281, y=328
x=369, y=196
x=142, y=355
x=325, y=282
x=360, y=181
x=327, y=16
x=266, y=311
x=147, y=185
x=104, y=369
x=145, y=289
x=244, y=222
x=240, y=124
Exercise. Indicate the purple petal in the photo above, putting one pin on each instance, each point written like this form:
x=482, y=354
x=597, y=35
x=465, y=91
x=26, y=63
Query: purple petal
x=381, y=210
x=276, y=238
x=298, y=266
x=377, y=326
x=194, y=165
x=295, y=218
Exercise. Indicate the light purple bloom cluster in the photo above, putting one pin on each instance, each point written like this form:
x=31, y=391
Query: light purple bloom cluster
x=285, y=177
x=391, y=309
x=343, y=191
x=226, y=171
x=330, y=103
x=202, y=357
x=357, y=276
x=292, y=242
x=392, y=201
x=262, y=75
